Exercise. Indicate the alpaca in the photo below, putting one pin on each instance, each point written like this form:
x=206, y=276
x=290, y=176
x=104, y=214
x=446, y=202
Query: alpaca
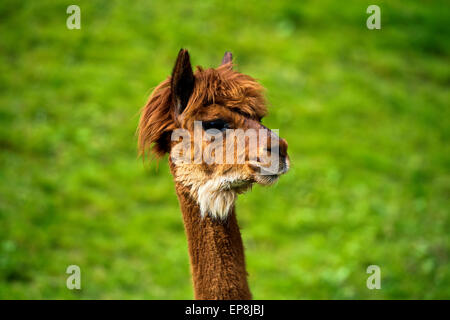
x=222, y=101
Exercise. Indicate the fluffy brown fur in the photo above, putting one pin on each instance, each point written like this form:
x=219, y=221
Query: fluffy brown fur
x=216, y=252
x=207, y=192
x=216, y=91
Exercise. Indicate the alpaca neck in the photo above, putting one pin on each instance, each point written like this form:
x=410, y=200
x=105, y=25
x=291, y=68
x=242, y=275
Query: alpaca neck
x=216, y=252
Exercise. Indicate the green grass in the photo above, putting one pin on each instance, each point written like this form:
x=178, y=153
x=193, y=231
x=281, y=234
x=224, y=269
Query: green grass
x=366, y=115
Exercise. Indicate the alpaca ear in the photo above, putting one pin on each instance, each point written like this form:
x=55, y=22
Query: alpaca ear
x=182, y=82
x=227, y=58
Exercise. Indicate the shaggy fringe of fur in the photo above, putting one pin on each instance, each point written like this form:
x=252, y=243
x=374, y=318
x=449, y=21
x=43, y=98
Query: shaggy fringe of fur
x=223, y=86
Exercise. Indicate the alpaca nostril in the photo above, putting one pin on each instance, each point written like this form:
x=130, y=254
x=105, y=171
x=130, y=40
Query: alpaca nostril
x=273, y=148
x=283, y=146
x=279, y=148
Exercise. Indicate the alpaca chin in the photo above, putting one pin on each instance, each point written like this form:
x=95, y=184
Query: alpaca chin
x=214, y=195
x=216, y=203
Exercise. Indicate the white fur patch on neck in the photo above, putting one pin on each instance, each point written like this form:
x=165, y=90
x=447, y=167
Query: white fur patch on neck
x=214, y=200
x=215, y=195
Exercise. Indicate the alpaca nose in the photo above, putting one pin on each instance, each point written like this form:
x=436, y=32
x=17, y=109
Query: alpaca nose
x=279, y=147
x=283, y=148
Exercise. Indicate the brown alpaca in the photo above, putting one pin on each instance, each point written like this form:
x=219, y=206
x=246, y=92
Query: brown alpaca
x=223, y=100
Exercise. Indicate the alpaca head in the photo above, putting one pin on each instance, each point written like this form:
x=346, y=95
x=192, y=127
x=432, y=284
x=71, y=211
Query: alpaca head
x=209, y=122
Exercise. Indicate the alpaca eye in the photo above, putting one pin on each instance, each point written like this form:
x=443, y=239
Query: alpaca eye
x=218, y=124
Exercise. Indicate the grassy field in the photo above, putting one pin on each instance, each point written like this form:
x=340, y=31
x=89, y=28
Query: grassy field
x=365, y=112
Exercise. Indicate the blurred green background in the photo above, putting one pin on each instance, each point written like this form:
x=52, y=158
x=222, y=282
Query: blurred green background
x=365, y=112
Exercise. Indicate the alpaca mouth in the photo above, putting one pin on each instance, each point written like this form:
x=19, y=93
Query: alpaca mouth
x=241, y=186
x=270, y=173
x=267, y=180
